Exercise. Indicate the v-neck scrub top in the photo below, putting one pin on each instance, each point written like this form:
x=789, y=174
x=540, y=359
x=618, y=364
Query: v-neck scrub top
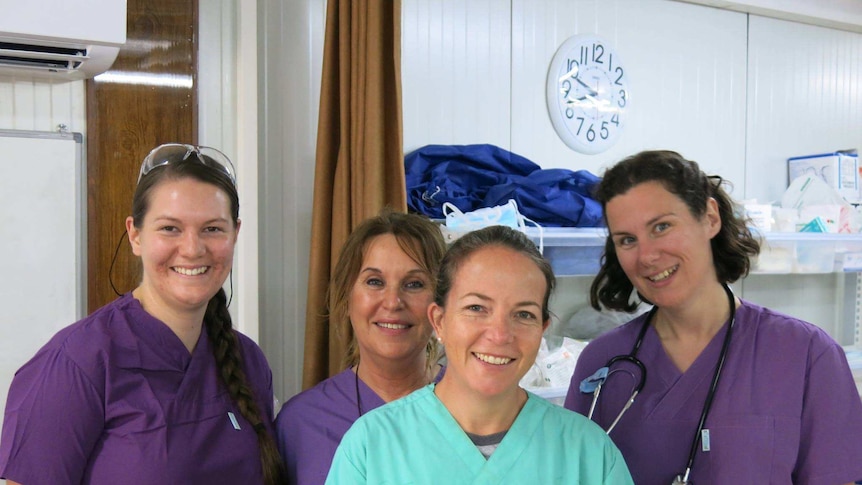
x=786, y=409
x=311, y=424
x=116, y=398
x=415, y=440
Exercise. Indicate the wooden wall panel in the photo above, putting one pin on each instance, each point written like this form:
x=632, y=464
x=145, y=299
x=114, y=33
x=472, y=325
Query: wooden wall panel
x=147, y=98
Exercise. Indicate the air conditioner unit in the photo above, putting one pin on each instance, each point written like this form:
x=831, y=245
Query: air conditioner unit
x=60, y=40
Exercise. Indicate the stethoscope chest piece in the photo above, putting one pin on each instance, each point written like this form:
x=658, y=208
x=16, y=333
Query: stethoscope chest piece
x=593, y=384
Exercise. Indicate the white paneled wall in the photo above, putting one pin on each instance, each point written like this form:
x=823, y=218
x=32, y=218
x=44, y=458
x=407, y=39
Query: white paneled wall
x=290, y=67
x=40, y=106
x=456, y=72
x=805, y=97
x=686, y=96
x=469, y=78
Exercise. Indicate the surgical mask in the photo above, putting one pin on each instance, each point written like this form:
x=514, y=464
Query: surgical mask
x=459, y=223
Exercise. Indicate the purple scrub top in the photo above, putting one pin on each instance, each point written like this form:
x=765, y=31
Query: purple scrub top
x=786, y=409
x=311, y=424
x=117, y=398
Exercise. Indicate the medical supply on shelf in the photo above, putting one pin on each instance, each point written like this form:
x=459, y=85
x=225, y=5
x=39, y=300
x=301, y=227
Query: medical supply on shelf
x=840, y=171
x=551, y=373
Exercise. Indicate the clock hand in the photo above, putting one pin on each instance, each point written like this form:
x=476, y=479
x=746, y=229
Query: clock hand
x=574, y=75
x=592, y=91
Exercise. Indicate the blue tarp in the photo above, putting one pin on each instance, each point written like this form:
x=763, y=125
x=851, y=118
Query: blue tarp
x=475, y=176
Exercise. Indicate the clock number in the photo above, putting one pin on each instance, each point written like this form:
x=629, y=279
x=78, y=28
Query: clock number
x=603, y=132
x=591, y=134
x=619, y=71
x=581, y=125
x=567, y=87
x=569, y=112
x=584, y=55
x=600, y=49
x=622, y=101
x=572, y=66
x=615, y=119
x=610, y=62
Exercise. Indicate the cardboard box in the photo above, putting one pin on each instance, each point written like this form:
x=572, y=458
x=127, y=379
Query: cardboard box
x=839, y=170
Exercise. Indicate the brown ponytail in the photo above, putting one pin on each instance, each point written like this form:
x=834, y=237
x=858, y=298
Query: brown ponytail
x=229, y=362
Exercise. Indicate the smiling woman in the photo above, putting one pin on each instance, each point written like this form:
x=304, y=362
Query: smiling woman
x=476, y=425
x=380, y=291
x=732, y=392
x=161, y=388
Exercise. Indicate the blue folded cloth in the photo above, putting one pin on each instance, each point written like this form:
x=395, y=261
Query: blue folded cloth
x=476, y=176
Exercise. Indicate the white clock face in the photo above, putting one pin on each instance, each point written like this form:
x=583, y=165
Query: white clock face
x=587, y=94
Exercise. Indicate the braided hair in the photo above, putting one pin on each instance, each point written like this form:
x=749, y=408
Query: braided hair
x=217, y=319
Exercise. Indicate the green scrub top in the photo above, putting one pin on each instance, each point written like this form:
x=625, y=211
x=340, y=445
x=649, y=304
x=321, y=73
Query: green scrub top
x=415, y=440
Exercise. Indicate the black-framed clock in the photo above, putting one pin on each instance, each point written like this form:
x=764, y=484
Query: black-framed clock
x=587, y=93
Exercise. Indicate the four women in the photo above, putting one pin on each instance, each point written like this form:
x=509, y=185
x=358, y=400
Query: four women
x=730, y=392
x=158, y=387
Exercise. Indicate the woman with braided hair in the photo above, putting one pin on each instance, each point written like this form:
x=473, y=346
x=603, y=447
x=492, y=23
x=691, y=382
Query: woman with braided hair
x=156, y=386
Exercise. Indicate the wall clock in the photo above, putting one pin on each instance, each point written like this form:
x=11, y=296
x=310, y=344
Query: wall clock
x=587, y=94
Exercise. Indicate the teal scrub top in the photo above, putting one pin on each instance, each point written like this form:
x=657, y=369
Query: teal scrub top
x=415, y=440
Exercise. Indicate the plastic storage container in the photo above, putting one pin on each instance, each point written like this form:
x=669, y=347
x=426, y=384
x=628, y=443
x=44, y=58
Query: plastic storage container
x=802, y=252
x=578, y=251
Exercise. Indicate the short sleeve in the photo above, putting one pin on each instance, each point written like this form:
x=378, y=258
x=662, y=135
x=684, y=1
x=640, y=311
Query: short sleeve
x=54, y=419
x=618, y=472
x=348, y=464
x=829, y=450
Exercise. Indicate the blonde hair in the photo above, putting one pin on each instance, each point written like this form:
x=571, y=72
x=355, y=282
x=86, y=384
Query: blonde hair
x=418, y=237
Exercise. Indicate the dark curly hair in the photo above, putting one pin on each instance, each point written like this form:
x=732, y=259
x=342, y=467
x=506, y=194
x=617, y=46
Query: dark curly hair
x=732, y=248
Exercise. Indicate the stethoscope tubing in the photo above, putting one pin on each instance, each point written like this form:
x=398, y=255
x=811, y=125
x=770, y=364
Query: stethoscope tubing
x=632, y=358
x=707, y=405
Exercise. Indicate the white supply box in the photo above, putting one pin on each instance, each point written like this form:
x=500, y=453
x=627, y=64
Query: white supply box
x=839, y=170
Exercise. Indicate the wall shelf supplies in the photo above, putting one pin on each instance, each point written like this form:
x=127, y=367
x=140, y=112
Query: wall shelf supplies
x=575, y=251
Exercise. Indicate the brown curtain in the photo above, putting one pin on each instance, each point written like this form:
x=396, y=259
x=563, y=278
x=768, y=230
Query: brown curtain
x=359, y=163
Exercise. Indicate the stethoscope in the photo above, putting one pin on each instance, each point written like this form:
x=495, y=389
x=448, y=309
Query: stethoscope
x=595, y=382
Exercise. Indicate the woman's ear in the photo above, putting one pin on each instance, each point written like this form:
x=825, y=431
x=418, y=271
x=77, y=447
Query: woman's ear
x=435, y=316
x=712, y=217
x=134, y=236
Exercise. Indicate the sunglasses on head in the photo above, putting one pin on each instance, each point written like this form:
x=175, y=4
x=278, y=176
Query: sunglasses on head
x=175, y=152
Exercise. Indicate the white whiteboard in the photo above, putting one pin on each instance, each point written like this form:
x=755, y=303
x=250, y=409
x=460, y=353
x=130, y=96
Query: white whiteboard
x=42, y=229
